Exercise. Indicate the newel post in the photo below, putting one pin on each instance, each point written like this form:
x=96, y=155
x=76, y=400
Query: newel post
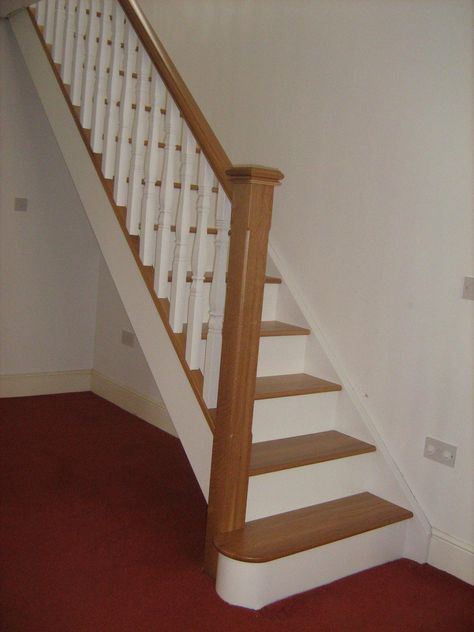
x=252, y=199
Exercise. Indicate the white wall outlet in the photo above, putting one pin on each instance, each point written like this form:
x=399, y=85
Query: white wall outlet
x=21, y=204
x=439, y=451
x=468, y=288
x=128, y=338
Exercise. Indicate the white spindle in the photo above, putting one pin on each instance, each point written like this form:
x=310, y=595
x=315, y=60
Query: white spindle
x=139, y=135
x=58, y=40
x=198, y=266
x=123, y=155
x=183, y=223
x=41, y=12
x=49, y=21
x=79, y=52
x=88, y=75
x=114, y=88
x=152, y=159
x=172, y=123
x=217, y=302
x=100, y=90
x=68, y=41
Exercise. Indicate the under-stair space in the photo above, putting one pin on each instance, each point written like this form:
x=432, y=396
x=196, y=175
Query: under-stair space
x=322, y=497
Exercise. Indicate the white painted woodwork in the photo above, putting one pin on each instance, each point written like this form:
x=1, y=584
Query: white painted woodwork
x=68, y=41
x=41, y=12
x=49, y=21
x=166, y=199
x=164, y=364
x=100, y=88
x=273, y=418
x=114, y=88
x=58, y=40
x=311, y=484
x=183, y=222
x=79, y=52
x=212, y=357
x=127, y=96
x=270, y=299
x=139, y=135
x=280, y=355
x=151, y=173
x=198, y=267
x=88, y=75
x=291, y=416
x=256, y=585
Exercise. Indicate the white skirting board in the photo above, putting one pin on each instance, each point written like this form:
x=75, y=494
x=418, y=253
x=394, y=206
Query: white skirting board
x=27, y=384
x=452, y=555
x=49, y=383
x=142, y=406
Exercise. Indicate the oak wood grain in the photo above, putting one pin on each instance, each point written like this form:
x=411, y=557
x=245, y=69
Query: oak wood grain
x=282, y=454
x=292, y=384
x=252, y=200
x=162, y=305
x=294, y=531
x=183, y=98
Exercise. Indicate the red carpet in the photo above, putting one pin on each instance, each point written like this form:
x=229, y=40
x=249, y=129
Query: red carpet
x=102, y=530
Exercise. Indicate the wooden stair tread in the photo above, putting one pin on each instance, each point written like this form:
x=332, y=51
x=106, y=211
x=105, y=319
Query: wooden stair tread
x=292, y=384
x=281, y=454
x=284, y=534
x=208, y=277
x=268, y=328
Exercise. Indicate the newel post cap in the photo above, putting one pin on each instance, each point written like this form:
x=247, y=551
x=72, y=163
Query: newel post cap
x=255, y=174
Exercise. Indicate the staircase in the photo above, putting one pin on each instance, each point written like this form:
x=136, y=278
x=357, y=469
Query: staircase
x=301, y=492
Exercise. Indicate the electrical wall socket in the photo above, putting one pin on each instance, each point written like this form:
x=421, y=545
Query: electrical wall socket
x=468, y=288
x=20, y=204
x=439, y=451
x=128, y=338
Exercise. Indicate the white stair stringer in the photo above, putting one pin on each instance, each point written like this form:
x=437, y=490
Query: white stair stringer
x=162, y=359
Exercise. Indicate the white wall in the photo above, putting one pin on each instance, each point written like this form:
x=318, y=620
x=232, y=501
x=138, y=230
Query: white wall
x=48, y=255
x=366, y=107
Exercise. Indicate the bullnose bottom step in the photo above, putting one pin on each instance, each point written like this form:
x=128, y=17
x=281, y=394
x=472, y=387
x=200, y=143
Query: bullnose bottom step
x=284, y=534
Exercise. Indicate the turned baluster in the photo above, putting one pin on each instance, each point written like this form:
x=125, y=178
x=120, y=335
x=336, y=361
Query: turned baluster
x=58, y=38
x=79, y=52
x=123, y=153
x=139, y=136
x=183, y=223
x=151, y=174
x=88, y=74
x=68, y=41
x=100, y=89
x=198, y=267
x=114, y=88
x=212, y=359
x=166, y=199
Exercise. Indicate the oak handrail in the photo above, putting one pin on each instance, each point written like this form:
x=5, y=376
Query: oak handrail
x=183, y=98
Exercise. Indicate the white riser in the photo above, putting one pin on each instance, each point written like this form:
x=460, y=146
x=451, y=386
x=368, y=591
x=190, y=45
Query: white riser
x=256, y=585
x=270, y=299
x=281, y=354
x=277, y=355
x=298, y=487
x=290, y=416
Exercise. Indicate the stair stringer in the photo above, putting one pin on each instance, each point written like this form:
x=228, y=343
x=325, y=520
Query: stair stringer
x=165, y=366
x=353, y=416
